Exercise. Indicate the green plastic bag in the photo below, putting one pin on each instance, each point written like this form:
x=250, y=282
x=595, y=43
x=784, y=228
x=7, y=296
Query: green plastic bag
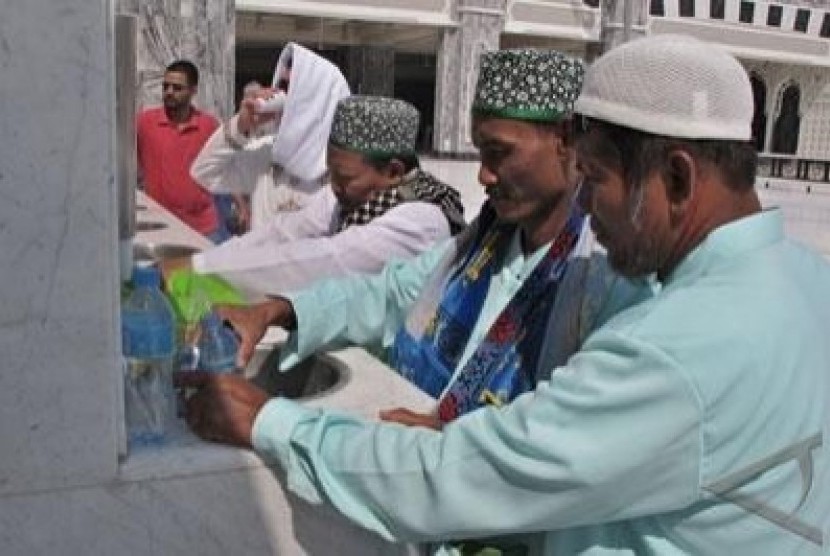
x=194, y=295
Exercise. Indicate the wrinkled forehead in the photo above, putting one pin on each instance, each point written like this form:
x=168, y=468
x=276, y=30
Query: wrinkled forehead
x=495, y=129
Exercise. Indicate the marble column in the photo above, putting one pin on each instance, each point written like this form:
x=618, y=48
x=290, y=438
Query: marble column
x=480, y=24
x=202, y=31
x=622, y=21
x=58, y=250
x=370, y=70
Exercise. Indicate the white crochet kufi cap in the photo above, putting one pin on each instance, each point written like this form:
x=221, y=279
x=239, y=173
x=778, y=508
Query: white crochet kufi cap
x=670, y=85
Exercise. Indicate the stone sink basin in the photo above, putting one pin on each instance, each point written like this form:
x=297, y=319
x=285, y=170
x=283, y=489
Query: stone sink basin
x=155, y=252
x=149, y=226
x=315, y=377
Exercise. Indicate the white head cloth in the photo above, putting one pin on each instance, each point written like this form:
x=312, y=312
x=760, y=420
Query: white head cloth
x=315, y=88
x=670, y=85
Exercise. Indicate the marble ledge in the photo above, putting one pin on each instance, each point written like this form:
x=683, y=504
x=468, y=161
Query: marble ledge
x=174, y=230
x=370, y=387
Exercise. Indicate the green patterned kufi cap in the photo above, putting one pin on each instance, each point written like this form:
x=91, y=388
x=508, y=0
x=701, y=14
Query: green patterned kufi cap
x=375, y=125
x=527, y=84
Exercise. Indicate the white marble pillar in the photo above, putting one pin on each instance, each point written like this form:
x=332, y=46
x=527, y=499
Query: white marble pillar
x=202, y=31
x=58, y=249
x=480, y=23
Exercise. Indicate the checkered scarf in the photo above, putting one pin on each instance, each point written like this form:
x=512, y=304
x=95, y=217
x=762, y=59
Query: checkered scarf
x=417, y=185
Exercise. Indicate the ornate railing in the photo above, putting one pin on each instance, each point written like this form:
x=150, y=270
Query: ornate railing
x=811, y=171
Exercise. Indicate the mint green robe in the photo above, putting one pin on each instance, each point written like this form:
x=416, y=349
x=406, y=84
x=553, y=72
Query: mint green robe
x=634, y=444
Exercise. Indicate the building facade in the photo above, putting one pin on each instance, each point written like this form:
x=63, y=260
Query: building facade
x=784, y=45
x=426, y=52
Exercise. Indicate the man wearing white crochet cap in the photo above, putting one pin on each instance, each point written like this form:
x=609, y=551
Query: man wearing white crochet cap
x=691, y=423
x=719, y=388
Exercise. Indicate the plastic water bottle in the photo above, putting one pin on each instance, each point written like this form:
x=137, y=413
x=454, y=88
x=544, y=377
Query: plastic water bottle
x=218, y=345
x=209, y=346
x=148, y=342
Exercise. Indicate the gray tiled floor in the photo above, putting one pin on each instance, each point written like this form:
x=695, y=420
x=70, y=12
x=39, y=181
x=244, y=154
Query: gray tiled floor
x=807, y=215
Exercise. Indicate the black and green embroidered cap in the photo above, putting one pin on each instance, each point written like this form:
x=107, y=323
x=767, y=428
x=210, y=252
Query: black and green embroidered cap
x=527, y=84
x=376, y=126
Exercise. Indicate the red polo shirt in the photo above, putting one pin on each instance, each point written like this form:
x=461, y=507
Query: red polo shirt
x=165, y=153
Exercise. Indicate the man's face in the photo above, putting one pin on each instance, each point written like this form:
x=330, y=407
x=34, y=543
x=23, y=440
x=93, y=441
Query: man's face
x=526, y=168
x=632, y=225
x=176, y=92
x=284, y=80
x=353, y=180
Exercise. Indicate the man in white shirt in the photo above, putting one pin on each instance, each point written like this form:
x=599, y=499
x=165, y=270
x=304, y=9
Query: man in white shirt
x=277, y=158
x=380, y=206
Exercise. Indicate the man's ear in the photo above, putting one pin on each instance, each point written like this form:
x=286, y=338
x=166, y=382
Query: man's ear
x=680, y=176
x=566, y=132
x=565, y=148
x=559, y=135
x=395, y=170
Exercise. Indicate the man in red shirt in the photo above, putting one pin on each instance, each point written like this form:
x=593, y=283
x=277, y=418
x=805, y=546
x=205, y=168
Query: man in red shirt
x=169, y=139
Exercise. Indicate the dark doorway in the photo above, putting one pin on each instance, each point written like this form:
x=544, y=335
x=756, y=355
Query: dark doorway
x=788, y=123
x=759, y=118
x=415, y=79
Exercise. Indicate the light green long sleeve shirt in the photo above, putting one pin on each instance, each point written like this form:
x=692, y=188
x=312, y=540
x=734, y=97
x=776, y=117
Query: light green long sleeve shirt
x=633, y=444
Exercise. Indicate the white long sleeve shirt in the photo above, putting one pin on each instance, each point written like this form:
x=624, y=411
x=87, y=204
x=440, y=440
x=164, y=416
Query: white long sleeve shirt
x=297, y=248
x=231, y=162
x=287, y=162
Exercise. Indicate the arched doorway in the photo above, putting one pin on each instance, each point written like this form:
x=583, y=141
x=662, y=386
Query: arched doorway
x=788, y=122
x=759, y=117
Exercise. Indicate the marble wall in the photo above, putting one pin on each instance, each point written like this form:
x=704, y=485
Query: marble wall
x=58, y=246
x=480, y=23
x=202, y=31
x=242, y=512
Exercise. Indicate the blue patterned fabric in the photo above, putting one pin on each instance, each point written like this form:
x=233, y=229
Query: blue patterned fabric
x=504, y=365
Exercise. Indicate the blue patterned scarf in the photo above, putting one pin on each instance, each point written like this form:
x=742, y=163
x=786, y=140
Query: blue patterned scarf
x=504, y=364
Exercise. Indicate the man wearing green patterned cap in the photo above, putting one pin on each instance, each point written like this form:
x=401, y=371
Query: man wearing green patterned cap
x=380, y=206
x=475, y=323
x=373, y=166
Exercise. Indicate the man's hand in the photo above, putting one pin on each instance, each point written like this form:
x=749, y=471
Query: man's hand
x=249, y=118
x=243, y=213
x=223, y=408
x=251, y=323
x=411, y=418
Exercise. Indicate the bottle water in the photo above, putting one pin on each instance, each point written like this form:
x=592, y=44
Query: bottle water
x=218, y=345
x=271, y=104
x=209, y=346
x=148, y=341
